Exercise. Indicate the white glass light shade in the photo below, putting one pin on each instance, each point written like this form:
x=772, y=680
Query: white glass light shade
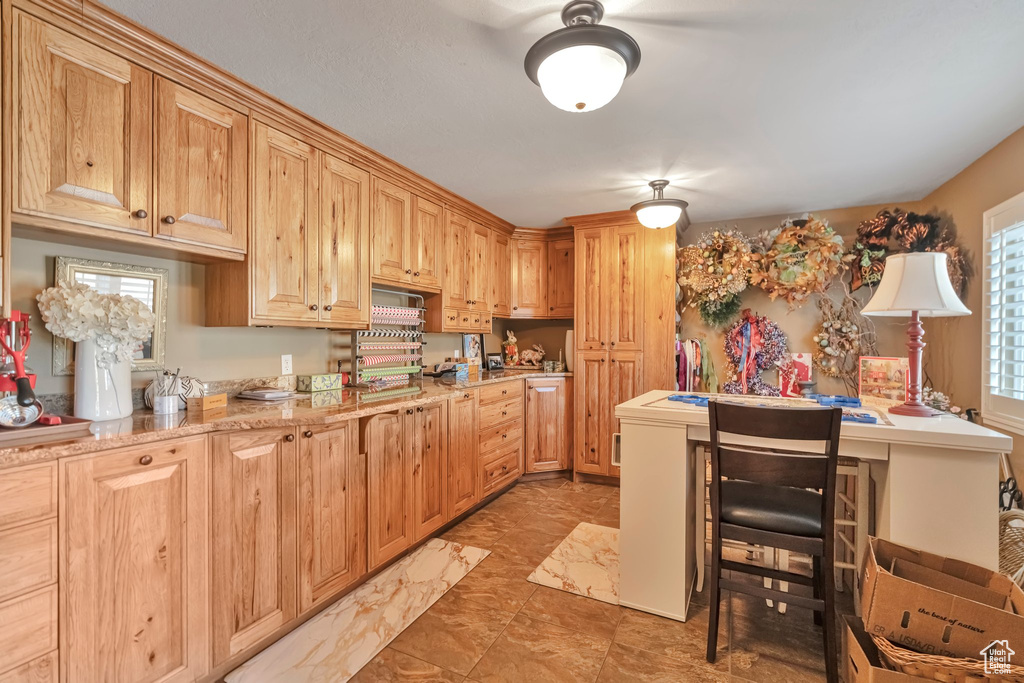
x=582, y=78
x=659, y=216
x=912, y=282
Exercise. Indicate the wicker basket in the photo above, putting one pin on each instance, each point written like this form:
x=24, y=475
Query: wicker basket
x=936, y=667
x=1011, y=545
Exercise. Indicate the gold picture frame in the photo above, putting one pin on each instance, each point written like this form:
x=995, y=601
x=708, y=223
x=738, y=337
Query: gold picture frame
x=144, y=283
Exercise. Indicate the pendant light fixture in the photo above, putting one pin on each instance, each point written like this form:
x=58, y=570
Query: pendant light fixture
x=581, y=67
x=659, y=212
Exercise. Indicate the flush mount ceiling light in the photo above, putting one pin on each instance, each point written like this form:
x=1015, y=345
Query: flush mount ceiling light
x=659, y=212
x=581, y=67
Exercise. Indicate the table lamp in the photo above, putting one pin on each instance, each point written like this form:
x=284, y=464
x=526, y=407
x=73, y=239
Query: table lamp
x=915, y=285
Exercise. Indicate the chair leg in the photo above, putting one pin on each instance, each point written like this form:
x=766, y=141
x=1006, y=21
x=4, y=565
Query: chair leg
x=817, y=585
x=714, y=597
x=829, y=597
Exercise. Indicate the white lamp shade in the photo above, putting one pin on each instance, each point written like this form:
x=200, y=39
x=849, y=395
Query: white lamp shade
x=582, y=78
x=915, y=282
x=659, y=215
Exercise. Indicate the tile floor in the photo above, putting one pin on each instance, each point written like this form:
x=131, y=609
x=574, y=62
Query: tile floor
x=496, y=626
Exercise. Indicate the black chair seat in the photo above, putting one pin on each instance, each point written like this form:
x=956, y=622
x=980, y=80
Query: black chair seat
x=782, y=509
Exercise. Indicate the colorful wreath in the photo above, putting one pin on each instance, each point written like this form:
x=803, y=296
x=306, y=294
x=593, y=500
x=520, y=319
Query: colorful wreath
x=797, y=259
x=715, y=271
x=842, y=338
x=752, y=345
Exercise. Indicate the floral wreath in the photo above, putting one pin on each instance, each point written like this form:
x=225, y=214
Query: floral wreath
x=843, y=336
x=715, y=271
x=797, y=259
x=752, y=345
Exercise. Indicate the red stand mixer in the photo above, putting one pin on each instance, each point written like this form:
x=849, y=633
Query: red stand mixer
x=23, y=409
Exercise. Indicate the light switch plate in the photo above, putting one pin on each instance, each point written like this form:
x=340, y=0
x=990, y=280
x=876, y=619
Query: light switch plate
x=286, y=364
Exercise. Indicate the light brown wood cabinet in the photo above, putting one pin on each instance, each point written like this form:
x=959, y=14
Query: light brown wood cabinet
x=463, y=305
x=134, y=563
x=426, y=242
x=456, y=265
x=331, y=512
x=407, y=233
x=624, y=261
x=344, y=244
x=501, y=274
x=254, y=558
x=591, y=306
x=593, y=409
x=390, y=495
x=463, y=464
x=529, y=278
x=549, y=424
x=479, y=287
x=561, y=277
x=501, y=435
x=427, y=435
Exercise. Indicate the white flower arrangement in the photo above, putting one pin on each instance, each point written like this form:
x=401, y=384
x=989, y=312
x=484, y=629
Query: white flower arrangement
x=116, y=322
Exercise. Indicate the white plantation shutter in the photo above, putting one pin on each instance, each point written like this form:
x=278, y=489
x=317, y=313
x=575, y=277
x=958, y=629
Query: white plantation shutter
x=1003, y=327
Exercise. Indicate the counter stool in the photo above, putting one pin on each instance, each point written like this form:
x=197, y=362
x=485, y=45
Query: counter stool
x=763, y=461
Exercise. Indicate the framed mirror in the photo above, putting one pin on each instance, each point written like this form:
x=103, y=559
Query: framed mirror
x=149, y=285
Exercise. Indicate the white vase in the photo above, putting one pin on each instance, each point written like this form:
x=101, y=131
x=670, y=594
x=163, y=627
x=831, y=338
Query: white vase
x=570, y=350
x=101, y=393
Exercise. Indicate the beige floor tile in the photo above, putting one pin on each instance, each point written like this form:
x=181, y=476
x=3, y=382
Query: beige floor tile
x=481, y=529
x=573, y=612
x=552, y=520
x=686, y=641
x=531, y=651
x=585, y=503
x=526, y=547
x=626, y=664
x=601, y=490
x=510, y=509
x=497, y=582
x=453, y=634
x=392, y=666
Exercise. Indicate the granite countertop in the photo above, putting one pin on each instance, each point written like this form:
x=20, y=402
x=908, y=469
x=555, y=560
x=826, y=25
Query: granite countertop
x=306, y=409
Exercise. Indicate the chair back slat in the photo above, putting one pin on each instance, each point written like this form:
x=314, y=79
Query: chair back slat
x=769, y=422
x=777, y=469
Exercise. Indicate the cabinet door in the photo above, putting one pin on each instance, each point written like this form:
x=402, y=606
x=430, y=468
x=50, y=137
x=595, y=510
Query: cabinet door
x=593, y=430
x=390, y=230
x=463, y=463
x=201, y=169
x=625, y=382
x=456, y=261
x=390, y=495
x=426, y=238
x=625, y=261
x=134, y=564
x=501, y=274
x=331, y=512
x=479, y=268
x=561, y=269
x=83, y=125
x=254, y=554
x=344, y=243
x=429, y=441
x=284, y=248
x=591, y=306
x=529, y=279
x=548, y=411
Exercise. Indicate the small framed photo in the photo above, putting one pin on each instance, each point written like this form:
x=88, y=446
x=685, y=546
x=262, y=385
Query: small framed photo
x=473, y=346
x=495, y=362
x=883, y=381
x=793, y=371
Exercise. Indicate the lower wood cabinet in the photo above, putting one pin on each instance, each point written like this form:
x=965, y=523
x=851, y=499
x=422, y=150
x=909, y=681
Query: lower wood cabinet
x=549, y=424
x=134, y=592
x=253, y=561
x=331, y=512
x=427, y=433
x=464, y=486
x=592, y=443
x=389, y=490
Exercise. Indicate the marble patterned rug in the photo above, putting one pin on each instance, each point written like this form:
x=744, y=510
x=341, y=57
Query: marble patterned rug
x=339, y=641
x=586, y=563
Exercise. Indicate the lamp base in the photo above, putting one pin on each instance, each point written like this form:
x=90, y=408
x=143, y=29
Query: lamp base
x=914, y=410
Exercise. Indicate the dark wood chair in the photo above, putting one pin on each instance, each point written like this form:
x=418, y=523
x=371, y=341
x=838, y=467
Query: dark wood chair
x=760, y=495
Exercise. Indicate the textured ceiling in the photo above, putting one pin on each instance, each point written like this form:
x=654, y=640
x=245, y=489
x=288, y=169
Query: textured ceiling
x=750, y=107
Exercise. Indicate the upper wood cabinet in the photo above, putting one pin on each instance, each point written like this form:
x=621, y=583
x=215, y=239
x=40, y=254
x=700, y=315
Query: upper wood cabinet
x=285, y=245
x=201, y=169
x=529, y=278
x=549, y=423
x=425, y=242
x=344, y=243
x=501, y=274
x=407, y=237
x=591, y=284
x=427, y=436
x=561, y=274
x=83, y=125
x=254, y=557
x=331, y=512
x=625, y=277
x=479, y=287
x=464, y=483
x=134, y=563
x=456, y=263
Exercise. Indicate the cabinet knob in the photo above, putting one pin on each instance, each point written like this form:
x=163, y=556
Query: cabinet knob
x=416, y=274
x=328, y=307
x=591, y=450
x=146, y=459
x=308, y=433
x=313, y=307
x=515, y=308
x=465, y=396
x=602, y=360
x=602, y=343
x=408, y=271
x=504, y=413
x=420, y=409
x=468, y=301
x=551, y=308
x=504, y=436
x=613, y=343
x=504, y=391
x=169, y=220
x=141, y=213
x=289, y=437
x=614, y=361
x=504, y=468
x=495, y=306
x=409, y=411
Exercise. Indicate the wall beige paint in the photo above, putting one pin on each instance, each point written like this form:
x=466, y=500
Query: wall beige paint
x=801, y=323
x=955, y=344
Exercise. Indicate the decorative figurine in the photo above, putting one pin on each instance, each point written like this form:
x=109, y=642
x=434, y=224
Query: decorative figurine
x=533, y=356
x=511, y=350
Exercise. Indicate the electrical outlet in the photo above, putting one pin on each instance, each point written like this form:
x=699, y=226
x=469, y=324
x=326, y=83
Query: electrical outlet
x=286, y=364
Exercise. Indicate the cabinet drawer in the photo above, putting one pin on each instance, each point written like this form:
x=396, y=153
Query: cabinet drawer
x=28, y=627
x=502, y=391
x=499, y=470
x=28, y=557
x=28, y=494
x=39, y=670
x=453, y=319
x=497, y=413
x=506, y=435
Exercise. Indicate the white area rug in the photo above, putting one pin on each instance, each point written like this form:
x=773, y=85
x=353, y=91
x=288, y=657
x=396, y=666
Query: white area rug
x=585, y=563
x=339, y=641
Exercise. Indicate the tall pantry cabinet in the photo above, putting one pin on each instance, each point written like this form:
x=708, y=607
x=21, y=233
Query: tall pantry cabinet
x=624, y=326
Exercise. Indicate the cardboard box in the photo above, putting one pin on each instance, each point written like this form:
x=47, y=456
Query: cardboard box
x=205, y=403
x=330, y=382
x=937, y=605
x=861, y=663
